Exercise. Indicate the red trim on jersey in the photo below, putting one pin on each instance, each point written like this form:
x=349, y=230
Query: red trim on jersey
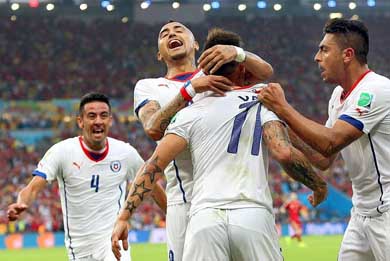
x=192, y=74
x=344, y=95
x=88, y=153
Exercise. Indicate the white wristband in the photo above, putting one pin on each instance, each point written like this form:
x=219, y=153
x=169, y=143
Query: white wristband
x=240, y=57
x=190, y=89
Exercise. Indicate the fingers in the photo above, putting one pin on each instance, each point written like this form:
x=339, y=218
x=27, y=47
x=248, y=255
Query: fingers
x=14, y=210
x=125, y=244
x=209, y=62
x=115, y=247
x=201, y=60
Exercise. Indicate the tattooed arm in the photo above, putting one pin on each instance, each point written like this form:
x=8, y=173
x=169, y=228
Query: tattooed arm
x=317, y=159
x=156, y=119
x=293, y=161
x=143, y=185
x=327, y=141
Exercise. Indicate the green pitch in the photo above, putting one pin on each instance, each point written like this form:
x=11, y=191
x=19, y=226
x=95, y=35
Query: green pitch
x=321, y=248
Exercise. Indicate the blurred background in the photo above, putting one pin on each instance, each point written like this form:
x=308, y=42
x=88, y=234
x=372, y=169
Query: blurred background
x=54, y=51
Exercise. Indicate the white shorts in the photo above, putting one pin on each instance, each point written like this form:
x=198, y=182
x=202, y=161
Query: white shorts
x=105, y=254
x=244, y=234
x=366, y=238
x=176, y=225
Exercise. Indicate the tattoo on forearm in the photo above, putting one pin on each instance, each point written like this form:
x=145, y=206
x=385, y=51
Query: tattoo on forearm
x=151, y=169
x=298, y=167
x=130, y=206
x=143, y=185
x=140, y=190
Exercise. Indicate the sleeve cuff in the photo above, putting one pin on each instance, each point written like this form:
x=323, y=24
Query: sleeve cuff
x=354, y=122
x=40, y=174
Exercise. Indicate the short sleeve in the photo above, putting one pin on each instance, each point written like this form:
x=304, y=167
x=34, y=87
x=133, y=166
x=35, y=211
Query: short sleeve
x=49, y=166
x=134, y=162
x=267, y=115
x=368, y=109
x=182, y=124
x=143, y=93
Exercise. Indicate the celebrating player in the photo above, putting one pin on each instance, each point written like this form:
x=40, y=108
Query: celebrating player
x=358, y=126
x=231, y=209
x=156, y=101
x=91, y=171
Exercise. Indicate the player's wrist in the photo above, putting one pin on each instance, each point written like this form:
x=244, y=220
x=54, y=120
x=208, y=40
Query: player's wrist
x=241, y=55
x=187, y=91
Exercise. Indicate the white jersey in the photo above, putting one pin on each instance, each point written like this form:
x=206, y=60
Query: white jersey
x=229, y=157
x=367, y=108
x=178, y=172
x=92, y=191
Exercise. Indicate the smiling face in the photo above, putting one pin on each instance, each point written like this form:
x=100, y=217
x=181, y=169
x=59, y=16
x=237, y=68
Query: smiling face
x=330, y=59
x=95, y=121
x=176, y=42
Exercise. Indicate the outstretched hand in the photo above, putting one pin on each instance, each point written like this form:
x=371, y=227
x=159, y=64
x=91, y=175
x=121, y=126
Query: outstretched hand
x=14, y=211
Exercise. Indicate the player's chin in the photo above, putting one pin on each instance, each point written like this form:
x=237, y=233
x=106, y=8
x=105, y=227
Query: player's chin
x=178, y=55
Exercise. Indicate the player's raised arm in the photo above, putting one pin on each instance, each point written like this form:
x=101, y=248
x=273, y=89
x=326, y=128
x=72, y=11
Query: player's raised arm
x=143, y=185
x=214, y=56
x=293, y=161
x=26, y=196
x=155, y=119
x=327, y=141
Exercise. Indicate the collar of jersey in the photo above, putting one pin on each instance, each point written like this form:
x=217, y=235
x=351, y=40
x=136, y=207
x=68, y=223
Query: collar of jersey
x=183, y=77
x=89, y=154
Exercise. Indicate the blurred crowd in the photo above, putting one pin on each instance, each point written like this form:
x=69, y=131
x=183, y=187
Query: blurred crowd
x=52, y=58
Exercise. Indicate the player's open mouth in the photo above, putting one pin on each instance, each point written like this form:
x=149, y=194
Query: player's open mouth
x=97, y=131
x=174, y=44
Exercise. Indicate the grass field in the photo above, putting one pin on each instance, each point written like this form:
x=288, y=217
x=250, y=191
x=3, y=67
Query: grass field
x=319, y=248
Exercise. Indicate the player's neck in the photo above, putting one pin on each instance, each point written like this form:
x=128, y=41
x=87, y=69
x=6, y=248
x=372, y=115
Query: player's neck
x=178, y=68
x=353, y=76
x=96, y=148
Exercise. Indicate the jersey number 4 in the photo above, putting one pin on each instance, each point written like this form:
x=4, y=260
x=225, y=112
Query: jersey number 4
x=95, y=182
x=237, y=126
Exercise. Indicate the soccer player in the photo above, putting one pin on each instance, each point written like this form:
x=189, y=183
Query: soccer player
x=156, y=101
x=294, y=208
x=91, y=171
x=358, y=126
x=231, y=209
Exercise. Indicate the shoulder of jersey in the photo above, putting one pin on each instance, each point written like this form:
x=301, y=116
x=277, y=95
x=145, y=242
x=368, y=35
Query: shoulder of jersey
x=150, y=81
x=119, y=145
x=69, y=142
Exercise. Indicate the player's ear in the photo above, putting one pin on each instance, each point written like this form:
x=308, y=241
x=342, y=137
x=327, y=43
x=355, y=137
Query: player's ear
x=159, y=57
x=111, y=121
x=196, y=46
x=348, y=54
x=80, y=122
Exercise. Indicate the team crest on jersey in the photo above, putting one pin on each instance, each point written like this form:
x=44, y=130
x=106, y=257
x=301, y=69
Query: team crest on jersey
x=115, y=166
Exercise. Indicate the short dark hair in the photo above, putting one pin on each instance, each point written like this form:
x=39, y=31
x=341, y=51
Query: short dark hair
x=92, y=97
x=354, y=34
x=220, y=36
